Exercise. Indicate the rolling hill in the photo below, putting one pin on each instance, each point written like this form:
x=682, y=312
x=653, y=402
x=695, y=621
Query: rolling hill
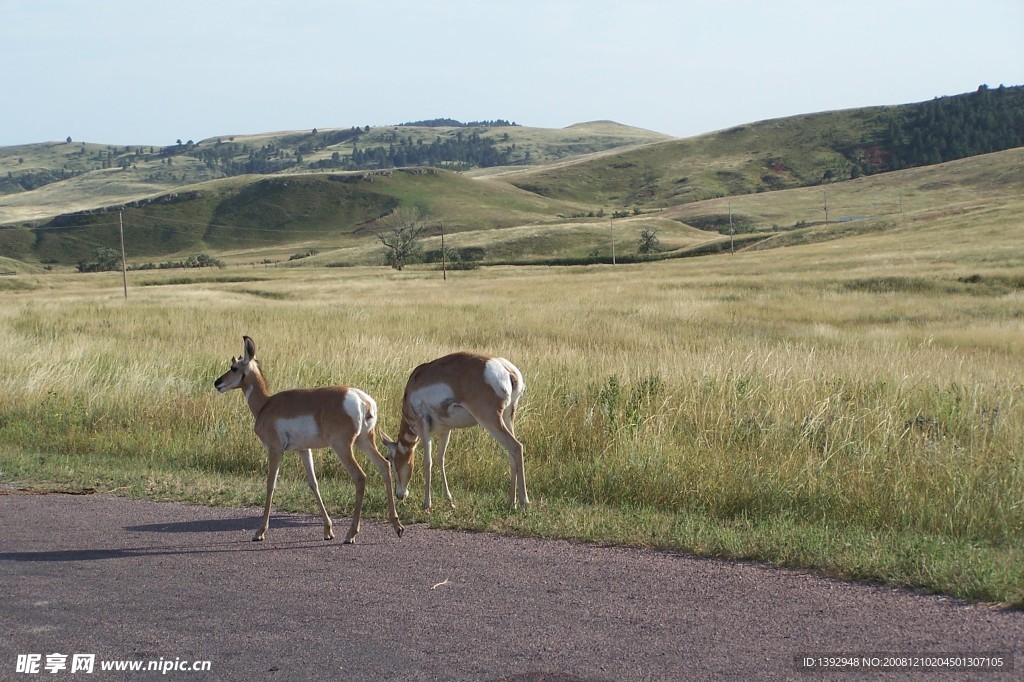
x=798, y=151
x=39, y=181
x=559, y=195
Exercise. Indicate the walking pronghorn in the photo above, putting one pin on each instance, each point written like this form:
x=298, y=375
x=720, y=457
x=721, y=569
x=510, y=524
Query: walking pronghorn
x=301, y=419
x=458, y=391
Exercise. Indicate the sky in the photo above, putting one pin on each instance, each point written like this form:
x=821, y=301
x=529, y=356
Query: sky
x=149, y=72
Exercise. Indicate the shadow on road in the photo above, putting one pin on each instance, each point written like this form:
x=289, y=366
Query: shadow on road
x=241, y=523
x=160, y=550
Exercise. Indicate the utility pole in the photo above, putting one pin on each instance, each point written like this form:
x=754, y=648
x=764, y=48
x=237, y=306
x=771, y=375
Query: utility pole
x=826, y=207
x=124, y=263
x=444, y=268
x=732, y=240
x=611, y=230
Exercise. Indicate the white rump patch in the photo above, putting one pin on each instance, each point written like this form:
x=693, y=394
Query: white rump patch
x=498, y=378
x=357, y=404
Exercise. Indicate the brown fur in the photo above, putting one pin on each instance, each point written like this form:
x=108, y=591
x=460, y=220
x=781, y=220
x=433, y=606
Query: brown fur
x=334, y=428
x=464, y=375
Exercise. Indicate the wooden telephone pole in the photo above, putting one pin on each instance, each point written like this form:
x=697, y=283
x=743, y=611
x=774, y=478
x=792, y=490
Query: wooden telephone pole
x=732, y=239
x=124, y=262
x=611, y=231
x=444, y=268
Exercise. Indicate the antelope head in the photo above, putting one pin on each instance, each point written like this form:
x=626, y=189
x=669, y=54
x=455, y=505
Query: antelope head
x=240, y=368
x=400, y=454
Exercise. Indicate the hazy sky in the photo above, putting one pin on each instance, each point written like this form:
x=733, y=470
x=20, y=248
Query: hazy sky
x=151, y=72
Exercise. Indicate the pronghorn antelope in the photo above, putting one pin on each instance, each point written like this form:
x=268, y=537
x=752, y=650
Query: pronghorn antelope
x=456, y=392
x=302, y=419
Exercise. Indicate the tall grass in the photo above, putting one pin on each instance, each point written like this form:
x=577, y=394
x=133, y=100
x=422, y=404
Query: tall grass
x=822, y=422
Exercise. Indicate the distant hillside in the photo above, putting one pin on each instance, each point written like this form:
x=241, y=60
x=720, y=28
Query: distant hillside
x=798, y=151
x=148, y=169
x=260, y=212
x=332, y=219
x=948, y=128
x=190, y=197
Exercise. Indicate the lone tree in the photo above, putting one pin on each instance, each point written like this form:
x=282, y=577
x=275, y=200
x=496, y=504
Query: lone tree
x=649, y=242
x=401, y=238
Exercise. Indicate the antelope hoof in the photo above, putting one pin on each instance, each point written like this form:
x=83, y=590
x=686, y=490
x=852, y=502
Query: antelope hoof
x=349, y=541
x=399, y=528
x=328, y=535
x=258, y=537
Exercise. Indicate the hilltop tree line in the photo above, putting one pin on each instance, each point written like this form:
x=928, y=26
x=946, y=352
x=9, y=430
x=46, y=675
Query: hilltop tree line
x=460, y=151
x=28, y=181
x=946, y=129
x=452, y=123
x=241, y=159
x=232, y=158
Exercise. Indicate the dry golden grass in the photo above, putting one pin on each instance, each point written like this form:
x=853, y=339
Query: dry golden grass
x=854, y=403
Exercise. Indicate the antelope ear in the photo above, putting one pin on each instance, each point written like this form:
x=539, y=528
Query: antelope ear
x=250, y=348
x=389, y=445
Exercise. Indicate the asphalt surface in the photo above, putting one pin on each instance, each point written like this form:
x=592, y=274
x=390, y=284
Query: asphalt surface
x=124, y=580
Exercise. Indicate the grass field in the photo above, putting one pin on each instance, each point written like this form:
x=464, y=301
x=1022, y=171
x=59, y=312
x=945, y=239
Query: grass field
x=846, y=395
x=857, y=410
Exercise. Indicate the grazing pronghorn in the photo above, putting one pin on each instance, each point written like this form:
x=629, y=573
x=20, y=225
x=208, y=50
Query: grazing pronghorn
x=456, y=392
x=302, y=419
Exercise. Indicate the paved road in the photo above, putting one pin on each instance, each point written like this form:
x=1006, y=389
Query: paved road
x=144, y=581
